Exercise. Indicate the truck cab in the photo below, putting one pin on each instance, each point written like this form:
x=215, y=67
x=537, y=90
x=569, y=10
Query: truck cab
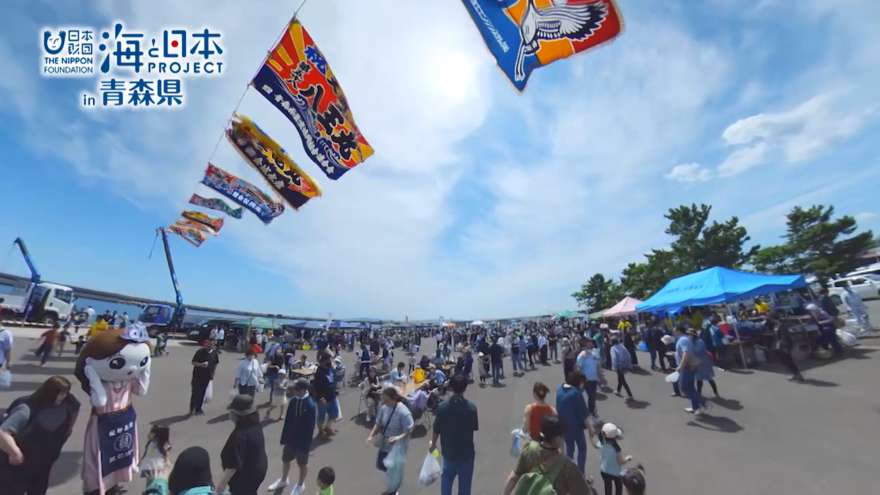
x=157, y=318
x=161, y=318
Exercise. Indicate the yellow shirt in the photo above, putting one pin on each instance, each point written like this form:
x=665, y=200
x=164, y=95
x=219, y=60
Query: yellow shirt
x=762, y=307
x=97, y=327
x=697, y=320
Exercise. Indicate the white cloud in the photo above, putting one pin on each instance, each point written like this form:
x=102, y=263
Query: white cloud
x=804, y=132
x=423, y=90
x=865, y=216
x=689, y=173
x=743, y=159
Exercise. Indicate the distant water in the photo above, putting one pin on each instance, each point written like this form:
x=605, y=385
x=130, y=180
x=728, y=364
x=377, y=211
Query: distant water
x=100, y=307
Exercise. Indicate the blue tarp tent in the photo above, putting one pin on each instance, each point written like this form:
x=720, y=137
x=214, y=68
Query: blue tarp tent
x=718, y=285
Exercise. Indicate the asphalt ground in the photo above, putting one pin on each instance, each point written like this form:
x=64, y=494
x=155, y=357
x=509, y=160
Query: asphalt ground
x=766, y=436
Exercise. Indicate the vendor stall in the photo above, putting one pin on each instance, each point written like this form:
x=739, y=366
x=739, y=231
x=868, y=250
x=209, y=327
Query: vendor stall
x=720, y=285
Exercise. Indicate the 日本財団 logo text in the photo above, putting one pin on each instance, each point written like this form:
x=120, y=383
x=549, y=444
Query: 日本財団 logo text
x=133, y=69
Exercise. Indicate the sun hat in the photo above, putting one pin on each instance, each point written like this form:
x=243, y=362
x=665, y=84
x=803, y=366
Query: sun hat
x=242, y=405
x=282, y=371
x=812, y=307
x=610, y=430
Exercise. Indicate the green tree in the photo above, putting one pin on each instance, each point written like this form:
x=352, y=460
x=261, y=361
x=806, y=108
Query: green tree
x=594, y=295
x=641, y=280
x=700, y=245
x=816, y=244
x=773, y=259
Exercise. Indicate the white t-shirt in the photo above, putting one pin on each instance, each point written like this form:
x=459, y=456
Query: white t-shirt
x=5, y=344
x=91, y=313
x=248, y=373
x=220, y=333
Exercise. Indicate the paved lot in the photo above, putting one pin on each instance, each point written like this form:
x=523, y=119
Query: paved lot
x=768, y=436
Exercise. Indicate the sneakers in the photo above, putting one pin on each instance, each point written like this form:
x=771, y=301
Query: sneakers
x=690, y=410
x=298, y=490
x=699, y=412
x=281, y=483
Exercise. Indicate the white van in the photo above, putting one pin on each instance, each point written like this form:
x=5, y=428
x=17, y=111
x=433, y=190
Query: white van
x=867, y=286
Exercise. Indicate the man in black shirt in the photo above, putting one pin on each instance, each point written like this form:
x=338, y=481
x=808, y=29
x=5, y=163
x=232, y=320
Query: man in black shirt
x=204, y=363
x=455, y=424
x=325, y=395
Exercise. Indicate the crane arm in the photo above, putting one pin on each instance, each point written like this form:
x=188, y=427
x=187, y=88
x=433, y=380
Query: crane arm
x=35, y=274
x=178, y=295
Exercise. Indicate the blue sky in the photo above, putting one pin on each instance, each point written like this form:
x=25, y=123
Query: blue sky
x=480, y=202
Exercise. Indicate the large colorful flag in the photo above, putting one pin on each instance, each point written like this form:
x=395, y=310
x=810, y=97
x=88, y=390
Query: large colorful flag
x=524, y=35
x=211, y=225
x=272, y=162
x=189, y=234
x=183, y=222
x=216, y=204
x=298, y=81
x=243, y=192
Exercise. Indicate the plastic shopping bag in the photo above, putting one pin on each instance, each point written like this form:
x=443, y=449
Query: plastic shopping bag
x=673, y=377
x=5, y=379
x=233, y=393
x=847, y=338
x=209, y=392
x=516, y=443
x=338, y=408
x=394, y=462
x=430, y=470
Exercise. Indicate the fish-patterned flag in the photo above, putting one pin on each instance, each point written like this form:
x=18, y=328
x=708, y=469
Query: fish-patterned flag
x=524, y=35
x=212, y=225
x=184, y=222
x=272, y=162
x=189, y=234
x=216, y=204
x=243, y=193
x=298, y=81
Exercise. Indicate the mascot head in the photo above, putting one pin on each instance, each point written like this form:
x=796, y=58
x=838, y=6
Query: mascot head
x=117, y=355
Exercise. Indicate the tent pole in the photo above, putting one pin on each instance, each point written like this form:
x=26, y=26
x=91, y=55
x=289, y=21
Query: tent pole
x=742, y=353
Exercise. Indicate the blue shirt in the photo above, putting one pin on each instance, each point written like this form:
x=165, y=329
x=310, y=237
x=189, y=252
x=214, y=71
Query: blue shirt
x=588, y=362
x=439, y=377
x=572, y=408
x=608, y=459
x=621, y=360
x=682, y=345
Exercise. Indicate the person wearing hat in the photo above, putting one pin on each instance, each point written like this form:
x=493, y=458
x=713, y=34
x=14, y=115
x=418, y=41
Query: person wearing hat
x=296, y=436
x=611, y=461
x=243, y=457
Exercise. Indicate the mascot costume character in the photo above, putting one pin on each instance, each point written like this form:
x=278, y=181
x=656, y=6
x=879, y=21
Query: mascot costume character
x=113, y=365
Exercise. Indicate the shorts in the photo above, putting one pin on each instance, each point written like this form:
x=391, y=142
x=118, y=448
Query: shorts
x=299, y=453
x=328, y=409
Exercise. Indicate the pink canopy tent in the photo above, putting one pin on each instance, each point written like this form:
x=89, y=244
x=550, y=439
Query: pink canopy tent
x=626, y=307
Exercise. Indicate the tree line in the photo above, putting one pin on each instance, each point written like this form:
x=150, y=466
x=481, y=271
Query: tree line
x=815, y=243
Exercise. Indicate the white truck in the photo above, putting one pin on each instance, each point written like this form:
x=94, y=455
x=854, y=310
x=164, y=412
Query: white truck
x=48, y=302
x=36, y=300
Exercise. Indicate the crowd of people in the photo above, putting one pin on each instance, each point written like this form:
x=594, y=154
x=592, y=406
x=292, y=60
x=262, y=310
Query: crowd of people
x=552, y=442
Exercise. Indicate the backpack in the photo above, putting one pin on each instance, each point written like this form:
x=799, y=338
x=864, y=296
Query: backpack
x=537, y=481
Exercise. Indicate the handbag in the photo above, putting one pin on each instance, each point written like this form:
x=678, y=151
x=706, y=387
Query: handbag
x=379, y=439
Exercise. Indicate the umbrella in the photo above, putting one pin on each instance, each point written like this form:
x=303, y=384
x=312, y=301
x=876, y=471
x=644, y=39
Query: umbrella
x=477, y=322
